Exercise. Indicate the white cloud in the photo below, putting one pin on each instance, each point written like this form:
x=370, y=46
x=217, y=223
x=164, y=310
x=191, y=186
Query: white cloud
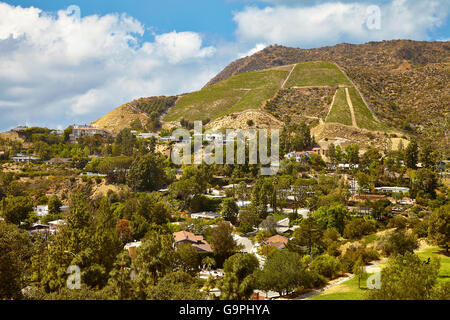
x=57, y=69
x=334, y=22
x=257, y=48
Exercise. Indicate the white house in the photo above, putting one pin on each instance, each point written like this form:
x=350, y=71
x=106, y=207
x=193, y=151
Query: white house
x=24, y=158
x=205, y=215
x=146, y=135
x=55, y=225
x=41, y=211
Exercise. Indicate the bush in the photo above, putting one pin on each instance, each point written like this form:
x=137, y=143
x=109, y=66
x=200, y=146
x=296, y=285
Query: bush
x=419, y=228
x=359, y=227
x=397, y=222
x=333, y=249
x=397, y=242
x=355, y=253
x=326, y=266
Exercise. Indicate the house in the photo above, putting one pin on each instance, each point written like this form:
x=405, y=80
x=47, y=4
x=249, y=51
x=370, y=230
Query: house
x=58, y=161
x=278, y=241
x=41, y=211
x=346, y=166
x=320, y=151
x=197, y=242
x=132, y=248
x=283, y=226
x=298, y=156
x=243, y=204
x=55, y=225
x=39, y=228
x=393, y=189
x=367, y=197
x=167, y=139
x=216, y=274
x=146, y=135
x=24, y=158
x=205, y=215
x=79, y=131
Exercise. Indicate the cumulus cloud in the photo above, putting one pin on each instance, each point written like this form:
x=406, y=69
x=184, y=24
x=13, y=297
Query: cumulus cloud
x=333, y=22
x=59, y=69
x=257, y=48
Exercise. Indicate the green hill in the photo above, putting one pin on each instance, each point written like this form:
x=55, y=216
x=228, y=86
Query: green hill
x=238, y=93
x=300, y=91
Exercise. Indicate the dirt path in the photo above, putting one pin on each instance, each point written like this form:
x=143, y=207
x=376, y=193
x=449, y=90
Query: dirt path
x=289, y=75
x=359, y=91
x=332, y=104
x=352, y=110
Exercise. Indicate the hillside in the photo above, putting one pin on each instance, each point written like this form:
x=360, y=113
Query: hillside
x=120, y=118
x=404, y=82
x=236, y=94
x=376, y=87
x=142, y=109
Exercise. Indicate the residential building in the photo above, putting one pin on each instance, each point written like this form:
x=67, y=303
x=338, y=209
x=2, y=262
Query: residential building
x=148, y=135
x=197, y=242
x=205, y=215
x=55, y=225
x=24, y=158
x=79, y=131
x=393, y=189
x=39, y=228
x=58, y=161
x=41, y=211
x=132, y=248
x=278, y=241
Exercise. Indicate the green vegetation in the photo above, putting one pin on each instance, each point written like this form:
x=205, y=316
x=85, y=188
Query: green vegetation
x=364, y=118
x=340, y=111
x=348, y=290
x=320, y=73
x=239, y=93
x=436, y=252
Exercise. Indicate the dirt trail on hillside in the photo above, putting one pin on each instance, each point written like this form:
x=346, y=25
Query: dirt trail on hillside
x=352, y=110
x=289, y=75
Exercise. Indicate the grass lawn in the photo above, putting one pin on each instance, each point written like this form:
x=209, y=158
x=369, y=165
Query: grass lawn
x=340, y=112
x=348, y=290
x=245, y=91
x=318, y=73
x=444, y=271
x=364, y=118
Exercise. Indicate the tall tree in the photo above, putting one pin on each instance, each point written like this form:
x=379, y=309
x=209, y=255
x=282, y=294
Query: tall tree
x=146, y=173
x=15, y=252
x=230, y=210
x=222, y=242
x=238, y=283
x=283, y=272
x=439, y=227
x=16, y=209
x=412, y=155
x=407, y=278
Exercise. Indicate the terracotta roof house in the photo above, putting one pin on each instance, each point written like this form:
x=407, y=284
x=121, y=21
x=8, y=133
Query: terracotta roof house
x=196, y=241
x=278, y=241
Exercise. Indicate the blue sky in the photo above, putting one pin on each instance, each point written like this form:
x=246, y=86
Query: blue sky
x=57, y=70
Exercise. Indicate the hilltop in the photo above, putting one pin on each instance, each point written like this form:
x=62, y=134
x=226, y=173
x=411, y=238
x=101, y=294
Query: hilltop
x=372, y=89
x=404, y=82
